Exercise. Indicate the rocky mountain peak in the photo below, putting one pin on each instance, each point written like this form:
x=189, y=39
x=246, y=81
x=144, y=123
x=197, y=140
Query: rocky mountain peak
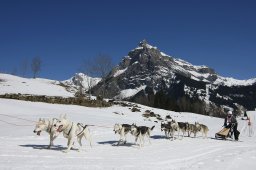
x=144, y=54
x=148, y=76
x=145, y=44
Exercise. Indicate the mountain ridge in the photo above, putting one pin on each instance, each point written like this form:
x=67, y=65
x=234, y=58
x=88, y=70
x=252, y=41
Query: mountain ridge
x=146, y=72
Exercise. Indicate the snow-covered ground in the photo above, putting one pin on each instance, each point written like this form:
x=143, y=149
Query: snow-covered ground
x=21, y=149
x=38, y=86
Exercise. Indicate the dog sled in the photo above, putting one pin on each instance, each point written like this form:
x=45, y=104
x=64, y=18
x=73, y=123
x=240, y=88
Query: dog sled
x=225, y=133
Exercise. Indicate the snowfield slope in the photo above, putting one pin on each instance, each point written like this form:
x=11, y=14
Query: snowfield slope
x=21, y=149
x=38, y=86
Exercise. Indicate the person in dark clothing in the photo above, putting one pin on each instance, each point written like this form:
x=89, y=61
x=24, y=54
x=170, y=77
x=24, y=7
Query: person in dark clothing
x=231, y=122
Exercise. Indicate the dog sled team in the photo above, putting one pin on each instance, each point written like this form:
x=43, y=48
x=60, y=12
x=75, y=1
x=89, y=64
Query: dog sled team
x=75, y=132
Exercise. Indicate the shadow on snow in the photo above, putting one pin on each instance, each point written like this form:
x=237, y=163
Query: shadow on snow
x=40, y=147
x=115, y=143
x=158, y=137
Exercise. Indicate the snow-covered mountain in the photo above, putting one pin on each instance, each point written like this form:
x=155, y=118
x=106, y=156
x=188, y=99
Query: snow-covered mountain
x=149, y=76
x=80, y=80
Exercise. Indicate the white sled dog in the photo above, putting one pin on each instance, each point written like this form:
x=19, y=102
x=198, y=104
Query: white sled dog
x=73, y=131
x=122, y=130
x=140, y=132
x=47, y=126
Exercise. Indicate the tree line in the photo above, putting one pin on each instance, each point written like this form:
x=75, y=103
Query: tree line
x=34, y=66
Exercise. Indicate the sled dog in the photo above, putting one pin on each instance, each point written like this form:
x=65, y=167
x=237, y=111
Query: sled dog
x=174, y=126
x=165, y=126
x=183, y=127
x=122, y=130
x=202, y=128
x=47, y=126
x=192, y=129
x=73, y=131
x=140, y=132
x=170, y=128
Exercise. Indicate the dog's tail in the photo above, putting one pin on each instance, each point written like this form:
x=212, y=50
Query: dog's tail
x=152, y=127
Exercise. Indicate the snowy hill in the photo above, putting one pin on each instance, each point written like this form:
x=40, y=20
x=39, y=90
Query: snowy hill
x=151, y=77
x=38, y=86
x=21, y=149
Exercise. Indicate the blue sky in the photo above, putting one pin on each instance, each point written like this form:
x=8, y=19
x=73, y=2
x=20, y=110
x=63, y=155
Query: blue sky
x=220, y=34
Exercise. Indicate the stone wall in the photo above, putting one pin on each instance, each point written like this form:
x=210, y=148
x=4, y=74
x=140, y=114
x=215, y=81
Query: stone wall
x=58, y=100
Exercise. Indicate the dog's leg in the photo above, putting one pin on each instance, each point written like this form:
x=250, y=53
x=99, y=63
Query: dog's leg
x=88, y=137
x=52, y=138
x=140, y=140
x=70, y=144
x=125, y=139
x=136, y=139
x=172, y=132
x=51, y=141
x=143, y=140
x=166, y=134
x=121, y=136
x=206, y=134
x=120, y=139
x=178, y=133
x=79, y=140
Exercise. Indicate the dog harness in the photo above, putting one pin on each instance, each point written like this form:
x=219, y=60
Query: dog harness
x=49, y=128
x=80, y=124
x=70, y=129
